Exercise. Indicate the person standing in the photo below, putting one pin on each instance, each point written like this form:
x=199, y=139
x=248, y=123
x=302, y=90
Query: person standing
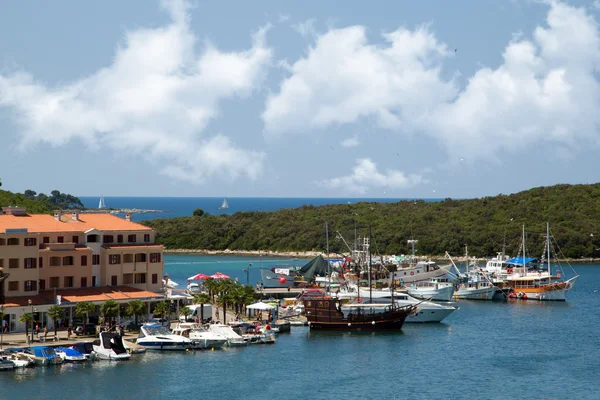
x=45, y=332
x=69, y=331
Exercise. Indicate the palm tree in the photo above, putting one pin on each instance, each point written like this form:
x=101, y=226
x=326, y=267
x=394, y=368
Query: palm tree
x=202, y=298
x=224, y=299
x=110, y=309
x=27, y=319
x=56, y=313
x=211, y=284
x=185, y=310
x=163, y=309
x=84, y=308
x=136, y=308
x=250, y=296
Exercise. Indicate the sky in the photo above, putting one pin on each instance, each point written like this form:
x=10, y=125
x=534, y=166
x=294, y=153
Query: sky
x=398, y=99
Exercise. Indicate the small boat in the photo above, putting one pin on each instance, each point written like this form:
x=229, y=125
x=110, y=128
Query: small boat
x=110, y=346
x=43, y=355
x=224, y=205
x=474, y=284
x=19, y=360
x=233, y=338
x=437, y=289
x=200, y=338
x=87, y=349
x=157, y=337
x=254, y=334
x=6, y=365
x=68, y=354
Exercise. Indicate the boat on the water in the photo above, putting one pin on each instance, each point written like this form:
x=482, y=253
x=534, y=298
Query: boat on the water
x=43, y=355
x=110, y=346
x=200, y=338
x=224, y=205
x=437, y=289
x=87, y=349
x=18, y=360
x=157, y=337
x=6, y=365
x=68, y=354
x=474, y=284
x=233, y=338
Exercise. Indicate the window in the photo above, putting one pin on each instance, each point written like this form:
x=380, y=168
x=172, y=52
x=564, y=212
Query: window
x=2, y=242
x=46, y=239
x=29, y=263
x=12, y=242
x=154, y=257
x=41, y=262
x=84, y=282
x=1, y=262
x=30, y=242
x=75, y=239
x=119, y=238
x=67, y=260
x=127, y=258
x=131, y=238
x=83, y=261
x=94, y=281
x=68, y=281
x=114, y=259
x=60, y=239
x=140, y=278
x=13, y=263
x=42, y=284
x=140, y=257
x=54, y=282
x=12, y=286
x=113, y=280
x=30, y=286
x=92, y=239
x=154, y=278
x=108, y=239
x=55, y=262
x=96, y=259
x=127, y=279
x=146, y=237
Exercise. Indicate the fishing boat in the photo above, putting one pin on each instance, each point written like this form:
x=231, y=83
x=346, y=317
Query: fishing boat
x=224, y=205
x=437, y=289
x=538, y=282
x=200, y=338
x=110, y=346
x=410, y=269
x=157, y=337
x=474, y=284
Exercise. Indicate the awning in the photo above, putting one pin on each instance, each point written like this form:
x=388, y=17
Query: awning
x=519, y=261
x=260, y=306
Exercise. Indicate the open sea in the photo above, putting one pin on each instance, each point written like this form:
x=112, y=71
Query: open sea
x=484, y=350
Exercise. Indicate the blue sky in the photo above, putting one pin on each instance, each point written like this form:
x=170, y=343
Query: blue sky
x=308, y=99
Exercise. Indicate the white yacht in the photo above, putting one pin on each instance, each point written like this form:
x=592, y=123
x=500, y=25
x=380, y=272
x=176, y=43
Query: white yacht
x=157, y=337
x=233, y=339
x=420, y=271
x=200, y=338
x=110, y=346
x=438, y=289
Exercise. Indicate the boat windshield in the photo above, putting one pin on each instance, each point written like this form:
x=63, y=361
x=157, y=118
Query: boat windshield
x=156, y=330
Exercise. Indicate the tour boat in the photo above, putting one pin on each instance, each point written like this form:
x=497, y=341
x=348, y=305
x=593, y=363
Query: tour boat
x=157, y=337
x=200, y=338
x=110, y=346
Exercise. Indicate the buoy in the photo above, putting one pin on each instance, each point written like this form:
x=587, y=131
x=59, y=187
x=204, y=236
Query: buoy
x=282, y=279
x=212, y=349
x=524, y=297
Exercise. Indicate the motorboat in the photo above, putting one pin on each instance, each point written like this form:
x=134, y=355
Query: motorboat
x=68, y=354
x=437, y=289
x=233, y=338
x=158, y=337
x=474, y=284
x=6, y=365
x=43, y=355
x=253, y=334
x=200, y=338
x=87, y=349
x=19, y=360
x=110, y=346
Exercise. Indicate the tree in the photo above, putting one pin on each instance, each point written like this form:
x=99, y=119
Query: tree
x=85, y=308
x=163, y=309
x=185, y=310
x=56, y=313
x=211, y=284
x=136, y=308
x=198, y=212
x=29, y=194
x=27, y=318
x=110, y=309
x=202, y=298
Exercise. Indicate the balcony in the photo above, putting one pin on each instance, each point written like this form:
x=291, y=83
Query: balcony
x=135, y=267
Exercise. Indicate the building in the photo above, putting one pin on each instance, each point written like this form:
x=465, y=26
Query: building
x=72, y=257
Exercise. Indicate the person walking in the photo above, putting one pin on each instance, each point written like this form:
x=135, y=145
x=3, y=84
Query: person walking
x=69, y=331
x=45, y=332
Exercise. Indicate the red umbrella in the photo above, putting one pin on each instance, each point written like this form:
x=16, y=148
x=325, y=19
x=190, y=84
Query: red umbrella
x=198, y=277
x=219, y=275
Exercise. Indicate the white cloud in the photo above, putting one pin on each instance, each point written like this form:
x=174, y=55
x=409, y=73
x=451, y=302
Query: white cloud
x=156, y=99
x=283, y=18
x=351, y=141
x=365, y=176
x=306, y=28
x=545, y=90
x=344, y=78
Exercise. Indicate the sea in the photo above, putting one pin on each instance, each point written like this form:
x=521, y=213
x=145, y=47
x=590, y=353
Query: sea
x=484, y=350
x=169, y=207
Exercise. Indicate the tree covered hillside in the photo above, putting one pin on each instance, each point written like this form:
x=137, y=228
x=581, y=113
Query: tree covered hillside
x=40, y=203
x=573, y=212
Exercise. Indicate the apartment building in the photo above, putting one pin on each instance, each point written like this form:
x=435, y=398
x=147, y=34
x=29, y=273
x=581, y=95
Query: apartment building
x=75, y=257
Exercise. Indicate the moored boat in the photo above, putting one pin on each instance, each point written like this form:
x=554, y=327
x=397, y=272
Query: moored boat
x=437, y=289
x=68, y=354
x=199, y=337
x=110, y=346
x=157, y=337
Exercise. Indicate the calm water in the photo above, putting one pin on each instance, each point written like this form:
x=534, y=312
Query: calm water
x=185, y=206
x=485, y=350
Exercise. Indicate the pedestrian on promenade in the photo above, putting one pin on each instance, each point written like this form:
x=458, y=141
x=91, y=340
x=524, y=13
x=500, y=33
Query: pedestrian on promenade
x=69, y=331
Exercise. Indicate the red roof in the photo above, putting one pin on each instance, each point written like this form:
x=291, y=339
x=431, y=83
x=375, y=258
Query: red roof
x=38, y=223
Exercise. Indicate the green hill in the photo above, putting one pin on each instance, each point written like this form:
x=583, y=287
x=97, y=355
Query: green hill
x=484, y=224
x=40, y=203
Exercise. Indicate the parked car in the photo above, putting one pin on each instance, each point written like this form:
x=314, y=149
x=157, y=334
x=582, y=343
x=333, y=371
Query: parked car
x=90, y=329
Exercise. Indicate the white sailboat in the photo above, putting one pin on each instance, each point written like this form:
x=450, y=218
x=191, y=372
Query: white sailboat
x=102, y=203
x=224, y=206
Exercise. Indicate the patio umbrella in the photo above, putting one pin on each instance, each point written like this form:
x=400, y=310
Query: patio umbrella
x=198, y=277
x=170, y=283
x=219, y=275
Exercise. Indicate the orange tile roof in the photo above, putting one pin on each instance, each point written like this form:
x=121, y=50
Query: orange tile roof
x=23, y=301
x=102, y=294
x=47, y=223
x=129, y=246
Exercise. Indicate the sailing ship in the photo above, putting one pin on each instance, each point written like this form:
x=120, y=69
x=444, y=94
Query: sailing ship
x=224, y=205
x=102, y=204
x=328, y=313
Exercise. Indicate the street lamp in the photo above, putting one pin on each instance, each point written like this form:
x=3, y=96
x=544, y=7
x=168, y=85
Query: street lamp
x=247, y=271
x=31, y=305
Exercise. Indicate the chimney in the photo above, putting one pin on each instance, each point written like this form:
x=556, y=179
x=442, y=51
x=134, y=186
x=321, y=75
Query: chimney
x=57, y=214
x=128, y=216
x=75, y=215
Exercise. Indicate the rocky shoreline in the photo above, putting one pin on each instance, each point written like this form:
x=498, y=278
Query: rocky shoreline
x=313, y=254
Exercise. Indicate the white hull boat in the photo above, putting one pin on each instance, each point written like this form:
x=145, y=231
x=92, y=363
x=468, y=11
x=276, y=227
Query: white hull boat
x=200, y=338
x=233, y=339
x=158, y=337
x=110, y=346
x=433, y=289
x=421, y=271
x=468, y=292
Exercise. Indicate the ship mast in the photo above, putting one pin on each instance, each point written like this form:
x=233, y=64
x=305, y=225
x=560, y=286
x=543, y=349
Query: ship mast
x=370, y=266
x=548, y=248
x=524, y=268
x=328, y=264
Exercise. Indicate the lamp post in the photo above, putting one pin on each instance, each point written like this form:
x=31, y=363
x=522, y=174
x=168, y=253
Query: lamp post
x=247, y=271
x=31, y=305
